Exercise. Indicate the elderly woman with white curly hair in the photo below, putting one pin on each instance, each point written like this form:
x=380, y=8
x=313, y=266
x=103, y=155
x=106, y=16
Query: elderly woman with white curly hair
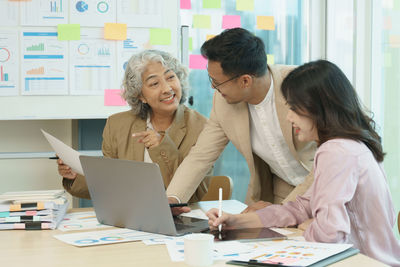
x=159, y=127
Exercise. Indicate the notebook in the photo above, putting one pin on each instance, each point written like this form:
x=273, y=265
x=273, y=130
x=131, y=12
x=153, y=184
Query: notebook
x=131, y=194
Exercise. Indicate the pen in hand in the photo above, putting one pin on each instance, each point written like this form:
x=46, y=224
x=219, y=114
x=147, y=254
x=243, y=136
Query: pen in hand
x=220, y=208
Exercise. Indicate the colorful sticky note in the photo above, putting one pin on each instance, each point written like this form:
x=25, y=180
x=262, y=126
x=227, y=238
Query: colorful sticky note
x=185, y=4
x=68, y=32
x=394, y=40
x=112, y=97
x=211, y=3
x=209, y=36
x=115, y=31
x=265, y=23
x=202, y=21
x=387, y=23
x=159, y=36
x=190, y=43
x=270, y=59
x=245, y=5
x=197, y=62
x=387, y=60
x=231, y=21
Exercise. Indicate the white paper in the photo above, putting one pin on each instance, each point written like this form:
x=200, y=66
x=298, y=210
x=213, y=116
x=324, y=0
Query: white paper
x=94, y=238
x=9, y=13
x=68, y=155
x=141, y=13
x=44, y=12
x=196, y=213
x=293, y=253
x=281, y=231
x=92, y=67
x=9, y=58
x=92, y=12
x=231, y=206
x=80, y=221
x=44, y=65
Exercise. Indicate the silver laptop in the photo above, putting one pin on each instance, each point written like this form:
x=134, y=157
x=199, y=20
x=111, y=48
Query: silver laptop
x=131, y=194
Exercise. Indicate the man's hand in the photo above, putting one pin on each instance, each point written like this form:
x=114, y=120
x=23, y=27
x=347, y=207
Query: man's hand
x=256, y=206
x=177, y=210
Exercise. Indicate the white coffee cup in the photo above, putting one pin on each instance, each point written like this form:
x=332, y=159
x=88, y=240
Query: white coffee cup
x=199, y=249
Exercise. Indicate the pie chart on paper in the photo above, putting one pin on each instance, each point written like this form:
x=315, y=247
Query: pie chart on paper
x=81, y=6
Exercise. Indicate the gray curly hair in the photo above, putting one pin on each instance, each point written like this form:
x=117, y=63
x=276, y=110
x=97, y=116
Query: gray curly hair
x=132, y=83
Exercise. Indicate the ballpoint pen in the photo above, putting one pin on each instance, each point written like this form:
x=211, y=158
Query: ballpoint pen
x=220, y=208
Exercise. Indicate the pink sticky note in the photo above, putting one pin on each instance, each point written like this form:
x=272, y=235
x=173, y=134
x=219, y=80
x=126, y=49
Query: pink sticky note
x=112, y=97
x=197, y=62
x=185, y=4
x=231, y=21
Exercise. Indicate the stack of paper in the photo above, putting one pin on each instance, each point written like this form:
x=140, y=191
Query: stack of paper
x=32, y=210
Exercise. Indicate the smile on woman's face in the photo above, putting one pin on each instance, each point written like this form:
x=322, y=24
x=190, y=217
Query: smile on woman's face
x=161, y=88
x=303, y=126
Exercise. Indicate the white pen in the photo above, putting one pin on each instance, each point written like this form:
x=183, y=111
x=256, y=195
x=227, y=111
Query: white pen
x=220, y=208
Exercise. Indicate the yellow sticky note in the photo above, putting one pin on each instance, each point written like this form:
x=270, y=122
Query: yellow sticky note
x=202, y=21
x=67, y=32
x=265, y=23
x=159, y=36
x=245, y=5
x=115, y=31
x=209, y=36
x=270, y=59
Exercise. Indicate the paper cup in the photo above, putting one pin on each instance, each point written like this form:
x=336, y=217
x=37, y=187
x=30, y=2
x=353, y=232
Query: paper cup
x=199, y=249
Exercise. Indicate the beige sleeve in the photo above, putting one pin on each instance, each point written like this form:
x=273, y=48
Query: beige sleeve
x=210, y=144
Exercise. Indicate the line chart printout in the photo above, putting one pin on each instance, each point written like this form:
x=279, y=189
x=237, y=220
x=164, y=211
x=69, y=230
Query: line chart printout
x=9, y=13
x=141, y=13
x=92, y=64
x=92, y=12
x=44, y=12
x=8, y=63
x=44, y=65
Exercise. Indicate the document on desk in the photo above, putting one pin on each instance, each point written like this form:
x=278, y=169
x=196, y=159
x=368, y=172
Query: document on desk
x=80, y=221
x=66, y=153
x=293, y=253
x=95, y=238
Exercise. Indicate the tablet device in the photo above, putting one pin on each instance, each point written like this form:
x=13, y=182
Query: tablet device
x=247, y=234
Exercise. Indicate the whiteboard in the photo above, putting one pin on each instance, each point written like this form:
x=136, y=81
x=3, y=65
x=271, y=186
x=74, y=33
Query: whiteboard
x=61, y=85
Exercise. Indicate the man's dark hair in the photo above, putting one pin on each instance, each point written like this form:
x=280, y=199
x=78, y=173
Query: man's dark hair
x=239, y=52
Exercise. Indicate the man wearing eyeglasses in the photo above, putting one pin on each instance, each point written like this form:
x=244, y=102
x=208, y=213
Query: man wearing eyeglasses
x=248, y=110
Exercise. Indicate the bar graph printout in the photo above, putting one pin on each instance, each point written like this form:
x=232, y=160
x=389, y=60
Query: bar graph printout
x=92, y=64
x=44, y=64
x=44, y=12
x=8, y=63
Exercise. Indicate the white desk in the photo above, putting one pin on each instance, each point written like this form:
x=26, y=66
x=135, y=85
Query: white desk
x=40, y=248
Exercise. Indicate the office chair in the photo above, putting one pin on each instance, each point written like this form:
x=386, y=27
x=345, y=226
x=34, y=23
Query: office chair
x=225, y=182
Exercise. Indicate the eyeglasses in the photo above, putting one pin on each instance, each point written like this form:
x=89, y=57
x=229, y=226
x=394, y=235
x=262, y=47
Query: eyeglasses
x=215, y=86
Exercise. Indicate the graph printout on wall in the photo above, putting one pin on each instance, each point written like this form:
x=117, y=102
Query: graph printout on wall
x=67, y=55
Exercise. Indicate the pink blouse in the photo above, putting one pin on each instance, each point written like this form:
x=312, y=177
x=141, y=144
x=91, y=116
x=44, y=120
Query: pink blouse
x=349, y=200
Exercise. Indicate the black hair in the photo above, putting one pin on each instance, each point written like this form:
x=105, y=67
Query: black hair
x=239, y=52
x=321, y=91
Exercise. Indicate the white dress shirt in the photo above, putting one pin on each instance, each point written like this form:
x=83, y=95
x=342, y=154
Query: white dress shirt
x=268, y=143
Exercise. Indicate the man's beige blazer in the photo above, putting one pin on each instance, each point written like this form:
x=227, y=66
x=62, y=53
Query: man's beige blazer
x=118, y=143
x=230, y=122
